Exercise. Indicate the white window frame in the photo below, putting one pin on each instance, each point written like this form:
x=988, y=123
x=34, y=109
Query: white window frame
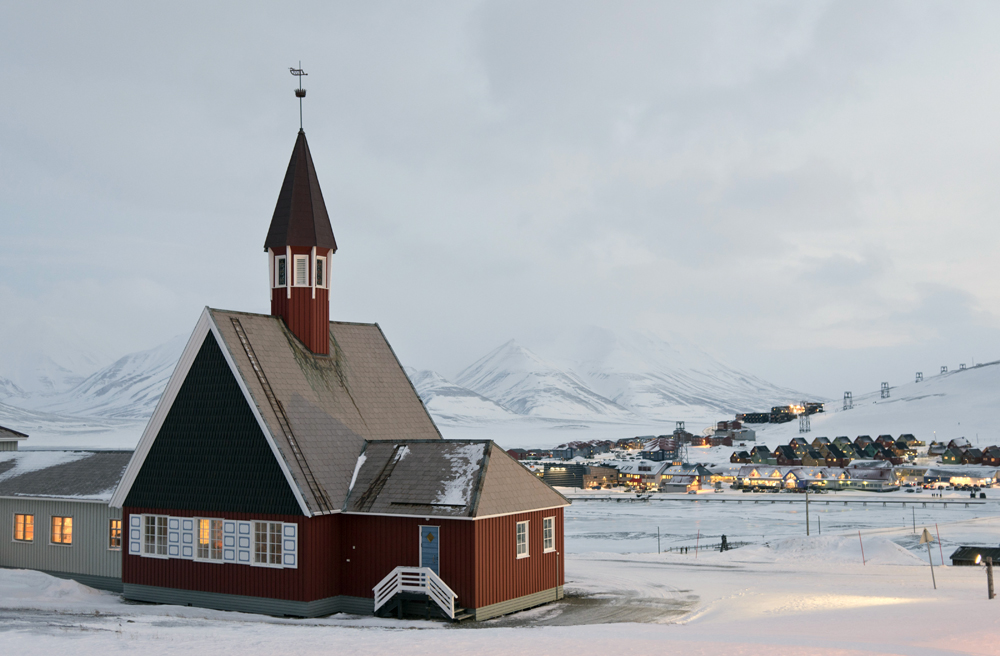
x=280, y=260
x=211, y=558
x=111, y=534
x=156, y=536
x=52, y=522
x=518, y=542
x=14, y=532
x=296, y=282
x=321, y=267
x=270, y=553
x=548, y=534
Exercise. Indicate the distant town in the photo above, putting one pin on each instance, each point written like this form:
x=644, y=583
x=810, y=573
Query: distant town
x=671, y=463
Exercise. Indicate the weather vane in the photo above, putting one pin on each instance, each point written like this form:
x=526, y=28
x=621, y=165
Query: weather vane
x=300, y=93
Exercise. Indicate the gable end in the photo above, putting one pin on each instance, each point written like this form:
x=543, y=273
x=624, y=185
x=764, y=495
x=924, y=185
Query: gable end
x=210, y=453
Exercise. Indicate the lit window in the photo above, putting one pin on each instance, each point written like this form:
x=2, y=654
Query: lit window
x=301, y=271
x=320, y=271
x=522, y=539
x=155, y=535
x=62, y=530
x=267, y=543
x=24, y=528
x=115, y=534
x=549, y=534
x=210, y=539
x=280, y=273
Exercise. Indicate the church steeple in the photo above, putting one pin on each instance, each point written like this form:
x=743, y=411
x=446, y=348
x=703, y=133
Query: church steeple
x=300, y=244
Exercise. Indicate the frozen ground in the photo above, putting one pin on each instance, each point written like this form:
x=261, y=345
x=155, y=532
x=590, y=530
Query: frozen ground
x=782, y=595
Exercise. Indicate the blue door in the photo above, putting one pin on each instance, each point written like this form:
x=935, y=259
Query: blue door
x=429, y=547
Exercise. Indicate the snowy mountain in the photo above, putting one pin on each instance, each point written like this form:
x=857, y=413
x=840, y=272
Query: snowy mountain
x=669, y=380
x=127, y=388
x=451, y=403
x=526, y=384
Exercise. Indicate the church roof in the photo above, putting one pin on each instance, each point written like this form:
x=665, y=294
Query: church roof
x=316, y=410
x=445, y=478
x=300, y=217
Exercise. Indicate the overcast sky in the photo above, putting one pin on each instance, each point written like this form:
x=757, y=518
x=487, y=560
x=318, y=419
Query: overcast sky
x=806, y=190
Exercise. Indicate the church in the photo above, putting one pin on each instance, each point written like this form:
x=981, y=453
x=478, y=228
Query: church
x=291, y=469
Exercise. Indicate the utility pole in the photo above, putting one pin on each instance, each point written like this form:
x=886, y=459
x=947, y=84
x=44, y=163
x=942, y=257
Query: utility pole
x=807, y=511
x=989, y=577
x=926, y=538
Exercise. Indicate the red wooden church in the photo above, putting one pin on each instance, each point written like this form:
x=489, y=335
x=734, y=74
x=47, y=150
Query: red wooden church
x=291, y=469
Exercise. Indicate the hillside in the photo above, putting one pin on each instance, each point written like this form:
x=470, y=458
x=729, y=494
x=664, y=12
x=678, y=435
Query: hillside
x=962, y=403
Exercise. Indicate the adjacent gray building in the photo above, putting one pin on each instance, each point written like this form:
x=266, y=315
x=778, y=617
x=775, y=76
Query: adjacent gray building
x=54, y=513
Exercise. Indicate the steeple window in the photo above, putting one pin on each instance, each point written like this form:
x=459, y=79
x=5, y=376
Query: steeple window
x=321, y=272
x=301, y=271
x=280, y=272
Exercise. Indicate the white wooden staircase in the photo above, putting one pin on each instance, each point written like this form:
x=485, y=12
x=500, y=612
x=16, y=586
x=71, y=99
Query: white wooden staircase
x=416, y=583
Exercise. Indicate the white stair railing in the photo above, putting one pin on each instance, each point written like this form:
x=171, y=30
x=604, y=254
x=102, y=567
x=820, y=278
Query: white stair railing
x=415, y=579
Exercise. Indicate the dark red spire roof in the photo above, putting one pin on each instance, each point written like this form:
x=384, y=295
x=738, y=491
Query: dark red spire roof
x=300, y=217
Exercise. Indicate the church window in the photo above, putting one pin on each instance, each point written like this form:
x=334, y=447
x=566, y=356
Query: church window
x=154, y=535
x=267, y=543
x=280, y=274
x=210, y=539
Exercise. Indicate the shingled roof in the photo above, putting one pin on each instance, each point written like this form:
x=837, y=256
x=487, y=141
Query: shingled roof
x=445, y=478
x=81, y=475
x=317, y=410
x=300, y=217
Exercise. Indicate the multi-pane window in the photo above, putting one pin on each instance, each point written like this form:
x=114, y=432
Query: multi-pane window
x=522, y=539
x=24, y=528
x=62, y=530
x=154, y=535
x=301, y=271
x=320, y=271
x=210, y=539
x=549, y=534
x=115, y=534
x=267, y=543
x=280, y=272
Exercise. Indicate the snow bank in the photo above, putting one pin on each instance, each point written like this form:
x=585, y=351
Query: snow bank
x=830, y=550
x=22, y=588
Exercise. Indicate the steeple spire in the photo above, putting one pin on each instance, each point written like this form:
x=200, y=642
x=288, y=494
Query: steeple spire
x=300, y=245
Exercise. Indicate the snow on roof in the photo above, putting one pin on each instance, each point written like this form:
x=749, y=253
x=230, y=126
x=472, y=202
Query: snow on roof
x=465, y=462
x=85, y=475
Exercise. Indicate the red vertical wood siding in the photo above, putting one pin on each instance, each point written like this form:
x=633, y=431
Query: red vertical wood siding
x=307, y=317
x=316, y=577
x=350, y=554
x=375, y=545
x=500, y=574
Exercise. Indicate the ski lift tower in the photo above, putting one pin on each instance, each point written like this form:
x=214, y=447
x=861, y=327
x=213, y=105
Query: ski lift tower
x=848, y=401
x=885, y=390
x=944, y=369
x=920, y=377
x=804, y=426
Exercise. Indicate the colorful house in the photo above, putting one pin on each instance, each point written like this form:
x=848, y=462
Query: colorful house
x=291, y=469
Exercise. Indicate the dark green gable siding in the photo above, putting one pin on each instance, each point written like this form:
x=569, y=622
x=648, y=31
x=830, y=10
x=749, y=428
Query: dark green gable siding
x=210, y=453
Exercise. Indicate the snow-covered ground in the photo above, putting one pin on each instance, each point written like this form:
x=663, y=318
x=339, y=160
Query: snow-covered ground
x=792, y=595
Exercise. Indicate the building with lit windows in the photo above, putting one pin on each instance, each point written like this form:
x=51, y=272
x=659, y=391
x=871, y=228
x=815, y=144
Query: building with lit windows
x=291, y=469
x=55, y=513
